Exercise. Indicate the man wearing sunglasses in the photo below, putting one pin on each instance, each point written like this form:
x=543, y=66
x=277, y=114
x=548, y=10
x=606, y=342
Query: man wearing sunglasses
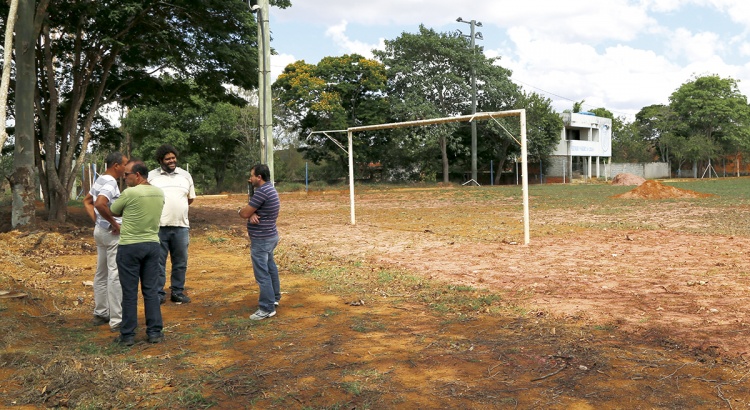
x=138, y=254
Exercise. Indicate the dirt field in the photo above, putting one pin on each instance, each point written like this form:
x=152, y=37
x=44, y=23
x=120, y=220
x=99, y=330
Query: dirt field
x=430, y=301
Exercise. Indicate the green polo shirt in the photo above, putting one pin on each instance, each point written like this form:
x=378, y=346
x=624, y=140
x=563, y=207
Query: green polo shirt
x=141, y=208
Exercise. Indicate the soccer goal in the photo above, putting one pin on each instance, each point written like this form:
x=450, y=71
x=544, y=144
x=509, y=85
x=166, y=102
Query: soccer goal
x=480, y=116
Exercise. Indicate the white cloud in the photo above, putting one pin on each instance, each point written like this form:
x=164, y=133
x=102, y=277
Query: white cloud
x=278, y=63
x=620, y=54
x=348, y=46
x=695, y=46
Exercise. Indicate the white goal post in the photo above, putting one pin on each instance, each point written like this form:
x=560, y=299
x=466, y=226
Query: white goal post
x=462, y=118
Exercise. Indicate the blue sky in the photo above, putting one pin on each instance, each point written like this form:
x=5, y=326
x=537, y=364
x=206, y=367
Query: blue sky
x=621, y=55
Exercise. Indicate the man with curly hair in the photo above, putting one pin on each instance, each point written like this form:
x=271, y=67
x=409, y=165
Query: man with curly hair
x=174, y=226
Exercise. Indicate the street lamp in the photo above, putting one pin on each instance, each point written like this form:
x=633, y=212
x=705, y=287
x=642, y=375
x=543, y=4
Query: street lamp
x=474, y=35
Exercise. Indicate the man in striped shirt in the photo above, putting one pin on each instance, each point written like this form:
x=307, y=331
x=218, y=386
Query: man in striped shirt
x=261, y=213
x=107, y=290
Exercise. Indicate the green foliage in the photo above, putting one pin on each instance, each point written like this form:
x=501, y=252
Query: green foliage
x=217, y=139
x=712, y=118
x=656, y=124
x=429, y=76
x=628, y=145
x=91, y=54
x=337, y=93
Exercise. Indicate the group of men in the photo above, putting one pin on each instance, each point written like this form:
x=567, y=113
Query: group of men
x=136, y=230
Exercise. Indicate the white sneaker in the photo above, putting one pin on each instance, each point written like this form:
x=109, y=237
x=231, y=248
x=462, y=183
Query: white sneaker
x=261, y=314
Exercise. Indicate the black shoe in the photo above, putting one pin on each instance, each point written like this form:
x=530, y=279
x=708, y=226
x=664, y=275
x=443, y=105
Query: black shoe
x=179, y=298
x=124, y=341
x=162, y=299
x=99, y=320
x=156, y=338
x=115, y=328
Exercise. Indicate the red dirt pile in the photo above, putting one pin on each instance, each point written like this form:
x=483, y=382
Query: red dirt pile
x=627, y=179
x=651, y=189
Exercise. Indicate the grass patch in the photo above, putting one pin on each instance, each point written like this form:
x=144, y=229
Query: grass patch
x=215, y=240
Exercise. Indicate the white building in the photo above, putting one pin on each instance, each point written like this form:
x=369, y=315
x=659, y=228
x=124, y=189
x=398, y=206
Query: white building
x=585, y=143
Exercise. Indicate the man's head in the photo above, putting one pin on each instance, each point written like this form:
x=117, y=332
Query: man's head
x=166, y=156
x=259, y=175
x=116, y=163
x=135, y=173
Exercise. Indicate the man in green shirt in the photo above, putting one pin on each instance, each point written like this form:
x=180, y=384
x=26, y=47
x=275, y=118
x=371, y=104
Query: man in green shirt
x=138, y=253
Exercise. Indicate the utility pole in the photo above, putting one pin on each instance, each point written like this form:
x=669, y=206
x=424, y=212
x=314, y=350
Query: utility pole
x=474, y=35
x=260, y=7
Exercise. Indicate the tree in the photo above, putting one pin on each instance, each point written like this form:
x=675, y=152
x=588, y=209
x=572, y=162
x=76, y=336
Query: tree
x=22, y=180
x=94, y=53
x=654, y=124
x=543, y=126
x=7, y=58
x=629, y=145
x=335, y=94
x=428, y=77
x=713, y=117
x=213, y=137
x=578, y=106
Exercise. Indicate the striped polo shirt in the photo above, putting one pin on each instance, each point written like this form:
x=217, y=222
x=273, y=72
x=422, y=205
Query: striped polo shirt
x=106, y=186
x=266, y=202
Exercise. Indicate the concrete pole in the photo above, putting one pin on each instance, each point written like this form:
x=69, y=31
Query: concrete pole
x=264, y=87
x=473, y=108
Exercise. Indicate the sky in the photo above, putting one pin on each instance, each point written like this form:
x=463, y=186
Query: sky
x=617, y=54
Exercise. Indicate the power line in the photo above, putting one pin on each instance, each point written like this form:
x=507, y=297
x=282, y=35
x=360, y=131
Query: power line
x=566, y=98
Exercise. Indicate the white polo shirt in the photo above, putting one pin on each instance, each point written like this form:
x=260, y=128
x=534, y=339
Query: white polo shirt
x=178, y=188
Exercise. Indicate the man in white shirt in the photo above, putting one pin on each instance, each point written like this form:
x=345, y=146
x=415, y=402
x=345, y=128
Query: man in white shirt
x=107, y=289
x=174, y=227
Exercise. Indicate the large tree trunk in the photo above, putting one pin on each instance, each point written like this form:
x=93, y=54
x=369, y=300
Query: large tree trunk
x=444, y=154
x=23, y=180
x=7, y=55
x=501, y=161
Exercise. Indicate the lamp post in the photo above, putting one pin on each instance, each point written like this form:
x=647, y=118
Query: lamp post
x=264, y=83
x=474, y=35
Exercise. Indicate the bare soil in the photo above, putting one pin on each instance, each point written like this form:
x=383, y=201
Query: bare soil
x=429, y=301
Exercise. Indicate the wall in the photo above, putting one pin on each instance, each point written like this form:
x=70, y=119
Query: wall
x=650, y=170
x=556, y=165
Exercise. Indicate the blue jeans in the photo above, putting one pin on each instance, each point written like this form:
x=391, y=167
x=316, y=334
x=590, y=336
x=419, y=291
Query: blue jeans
x=139, y=262
x=266, y=272
x=174, y=242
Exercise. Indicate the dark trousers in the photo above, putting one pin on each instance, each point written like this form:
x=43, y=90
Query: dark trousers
x=174, y=243
x=139, y=262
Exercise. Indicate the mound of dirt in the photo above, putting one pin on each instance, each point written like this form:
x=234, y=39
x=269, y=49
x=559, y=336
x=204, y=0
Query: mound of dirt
x=651, y=189
x=627, y=179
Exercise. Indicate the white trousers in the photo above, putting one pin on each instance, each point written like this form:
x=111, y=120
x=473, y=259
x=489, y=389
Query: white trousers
x=107, y=290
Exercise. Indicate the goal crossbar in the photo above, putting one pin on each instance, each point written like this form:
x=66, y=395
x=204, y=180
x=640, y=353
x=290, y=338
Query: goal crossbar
x=461, y=118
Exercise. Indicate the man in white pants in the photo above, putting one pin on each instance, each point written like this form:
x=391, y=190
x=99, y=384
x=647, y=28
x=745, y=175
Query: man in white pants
x=107, y=290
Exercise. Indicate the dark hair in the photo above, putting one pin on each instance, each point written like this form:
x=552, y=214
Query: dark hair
x=262, y=171
x=139, y=168
x=114, y=158
x=163, y=150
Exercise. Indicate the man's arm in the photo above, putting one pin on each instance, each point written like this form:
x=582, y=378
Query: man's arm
x=88, y=204
x=102, y=205
x=247, y=211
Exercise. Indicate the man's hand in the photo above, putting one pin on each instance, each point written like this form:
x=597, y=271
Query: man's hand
x=254, y=219
x=114, y=228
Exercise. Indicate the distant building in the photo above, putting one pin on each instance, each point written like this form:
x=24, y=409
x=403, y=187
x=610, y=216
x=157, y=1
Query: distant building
x=585, y=139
